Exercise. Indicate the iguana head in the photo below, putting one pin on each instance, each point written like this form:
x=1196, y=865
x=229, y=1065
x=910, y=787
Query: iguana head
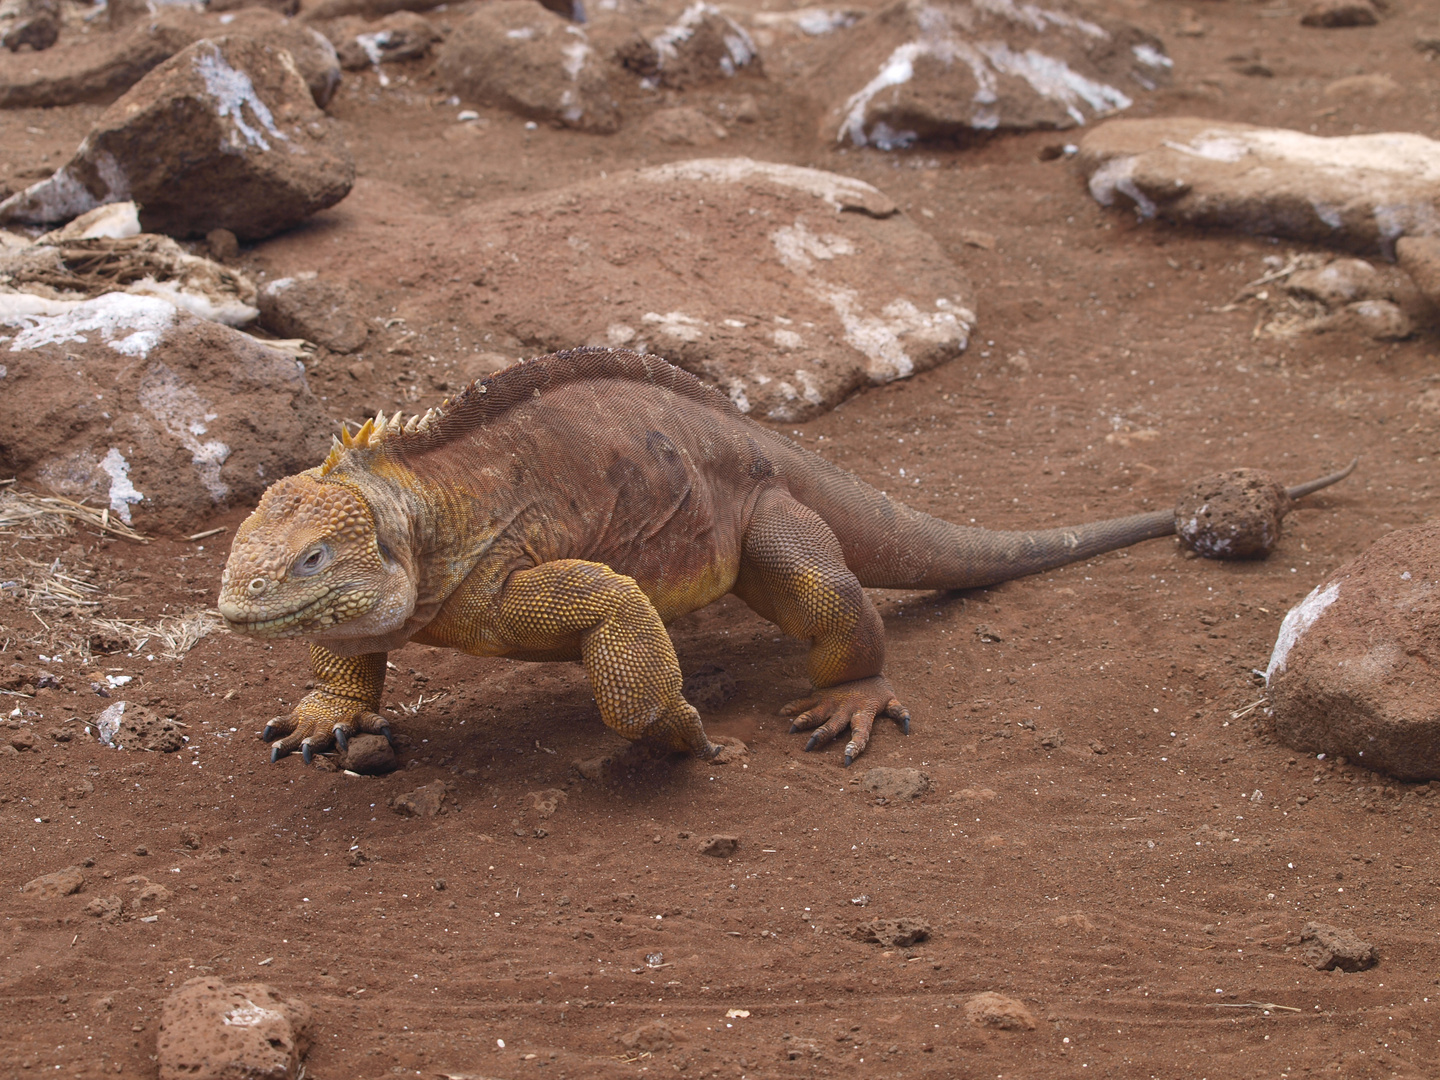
x=311, y=561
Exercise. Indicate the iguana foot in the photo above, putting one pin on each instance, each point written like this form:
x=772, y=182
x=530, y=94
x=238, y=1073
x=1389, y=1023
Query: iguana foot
x=854, y=705
x=678, y=728
x=319, y=719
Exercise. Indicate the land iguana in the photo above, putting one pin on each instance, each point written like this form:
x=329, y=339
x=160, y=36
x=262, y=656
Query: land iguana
x=569, y=507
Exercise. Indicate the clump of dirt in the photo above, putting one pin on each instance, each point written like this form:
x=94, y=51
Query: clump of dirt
x=1232, y=515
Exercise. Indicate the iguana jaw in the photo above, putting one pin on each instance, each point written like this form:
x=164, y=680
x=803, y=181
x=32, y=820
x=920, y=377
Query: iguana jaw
x=309, y=563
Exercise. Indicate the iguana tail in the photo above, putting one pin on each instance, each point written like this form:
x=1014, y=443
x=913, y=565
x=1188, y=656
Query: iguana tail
x=888, y=545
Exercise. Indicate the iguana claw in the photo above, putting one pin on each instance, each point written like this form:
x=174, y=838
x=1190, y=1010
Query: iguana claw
x=342, y=740
x=276, y=754
x=307, y=751
x=853, y=705
x=271, y=732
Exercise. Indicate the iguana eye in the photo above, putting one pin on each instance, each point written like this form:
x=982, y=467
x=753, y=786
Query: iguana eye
x=312, y=561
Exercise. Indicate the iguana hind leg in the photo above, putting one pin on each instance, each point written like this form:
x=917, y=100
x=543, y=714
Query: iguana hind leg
x=623, y=642
x=344, y=702
x=793, y=572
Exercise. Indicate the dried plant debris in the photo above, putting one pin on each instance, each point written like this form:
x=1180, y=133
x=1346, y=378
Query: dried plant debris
x=34, y=516
x=171, y=636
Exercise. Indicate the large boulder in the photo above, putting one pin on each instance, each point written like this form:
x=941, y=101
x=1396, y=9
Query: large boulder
x=1356, y=666
x=210, y=1030
x=102, y=66
x=519, y=56
x=790, y=288
x=163, y=417
x=925, y=69
x=91, y=67
x=223, y=135
x=701, y=45
x=1354, y=192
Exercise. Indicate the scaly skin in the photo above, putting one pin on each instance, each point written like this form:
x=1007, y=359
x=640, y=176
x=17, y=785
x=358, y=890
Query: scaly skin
x=570, y=507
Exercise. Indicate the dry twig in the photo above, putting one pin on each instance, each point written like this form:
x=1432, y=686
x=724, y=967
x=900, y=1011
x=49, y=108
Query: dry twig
x=51, y=515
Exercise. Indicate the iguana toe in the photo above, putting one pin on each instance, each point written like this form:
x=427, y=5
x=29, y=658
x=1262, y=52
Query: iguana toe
x=853, y=705
x=342, y=739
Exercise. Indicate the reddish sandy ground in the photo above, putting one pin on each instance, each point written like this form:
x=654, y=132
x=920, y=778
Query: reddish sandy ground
x=1139, y=881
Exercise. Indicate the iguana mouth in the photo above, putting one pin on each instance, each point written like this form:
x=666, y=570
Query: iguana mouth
x=292, y=620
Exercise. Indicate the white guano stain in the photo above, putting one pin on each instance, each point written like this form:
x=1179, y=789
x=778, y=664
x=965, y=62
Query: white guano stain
x=234, y=93
x=184, y=414
x=676, y=324
x=1048, y=76
x=122, y=492
x=131, y=325
x=1298, y=620
x=879, y=338
x=739, y=47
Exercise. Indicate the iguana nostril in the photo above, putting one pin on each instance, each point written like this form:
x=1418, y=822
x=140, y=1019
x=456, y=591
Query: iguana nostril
x=257, y=586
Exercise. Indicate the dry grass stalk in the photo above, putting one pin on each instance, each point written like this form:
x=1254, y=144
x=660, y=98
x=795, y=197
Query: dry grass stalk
x=52, y=589
x=51, y=515
x=175, y=634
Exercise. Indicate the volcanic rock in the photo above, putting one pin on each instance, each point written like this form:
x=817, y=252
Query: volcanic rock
x=369, y=755
x=164, y=417
x=401, y=36
x=703, y=45
x=897, y=933
x=56, y=883
x=308, y=307
x=92, y=67
x=1327, y=948
x=212, y=1031
x=896, y=783
x=992, y=1010
x=371, y=9
x=927, y=69
x=1335, y=14
x=1356, y=192
x=224, y=134
x=1419, y=256
x=517, y=55
x=1354, y=667
x=36, y=26
x=790, y=288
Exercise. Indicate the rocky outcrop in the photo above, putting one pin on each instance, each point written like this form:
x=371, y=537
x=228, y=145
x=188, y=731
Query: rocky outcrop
x=223, y=135
x=161, y=416
x=1354, y=669
x=1355, y=192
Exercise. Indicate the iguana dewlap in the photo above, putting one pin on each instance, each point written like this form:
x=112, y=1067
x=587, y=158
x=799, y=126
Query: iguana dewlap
x=568, y=508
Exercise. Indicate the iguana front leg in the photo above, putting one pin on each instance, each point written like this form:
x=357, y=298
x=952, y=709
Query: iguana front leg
x=793, y=572
x=344, y=702
x=624, y=645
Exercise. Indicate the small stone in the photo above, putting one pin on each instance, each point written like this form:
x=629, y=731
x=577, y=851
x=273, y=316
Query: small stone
x=426, y=801
x=22, y=740
x=719, y=846
x=896, y=783
x=223, y=245
x=212, y=1031
x=1383, y=320
x=57, y=883
x=369, y=755
x=1329, y=949
x=730, y=750
x=401, y=36
x=104, y=908
x=896, y=933
x=142, y=850
x=309, y=307
x=521, y=57
x=1232, y=515
x=1419, y=256
x=1340, y=282
x=150, y=897
x=1051, y=740
x=994, y=1010
x=649, y=1038
x=36, y=26
x=1337, y=14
